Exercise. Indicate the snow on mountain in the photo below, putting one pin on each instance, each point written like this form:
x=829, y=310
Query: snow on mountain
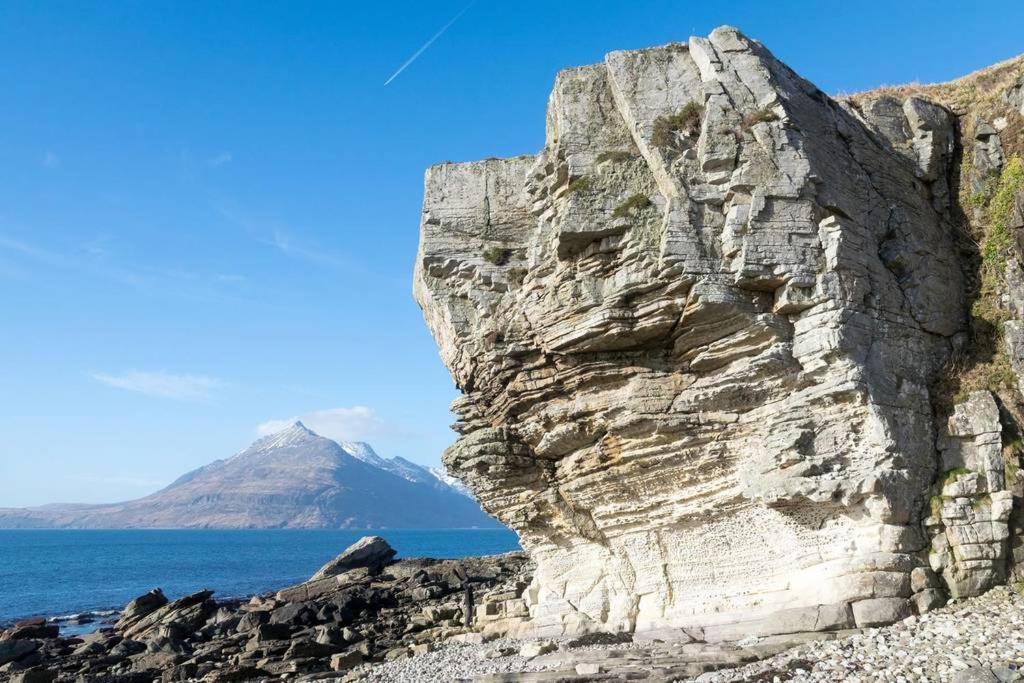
x=294, y=478
x=295, y=434
x=409, y=470
x=361, y=450
x=450, y=481
x=406, y=469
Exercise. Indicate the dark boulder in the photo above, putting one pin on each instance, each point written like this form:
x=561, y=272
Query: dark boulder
x=187, y=614
x=329, y=635
x=34, y=675
x=143, y=605
x=192, y=617
x=346, y=605
x=308, y=648
x=268, y=632
x=14, y=650
x=127, y=648
x=600, y=638
x=31, y=628
x=296, y=614
x=95, y=643
x=186, y=671
x=166, y=638
x=235, y=673
x=250, y=620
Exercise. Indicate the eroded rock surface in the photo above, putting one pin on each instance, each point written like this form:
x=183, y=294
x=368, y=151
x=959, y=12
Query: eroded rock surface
x=971, y=508
x=695, y=336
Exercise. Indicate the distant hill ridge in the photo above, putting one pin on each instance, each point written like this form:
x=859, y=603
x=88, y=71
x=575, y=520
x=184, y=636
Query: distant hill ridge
x=294, y=478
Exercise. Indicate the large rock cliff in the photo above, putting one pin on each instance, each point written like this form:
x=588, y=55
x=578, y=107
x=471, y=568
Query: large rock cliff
x=710, y=339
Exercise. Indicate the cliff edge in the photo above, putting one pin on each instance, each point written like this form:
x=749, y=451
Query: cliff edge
x=738, y=357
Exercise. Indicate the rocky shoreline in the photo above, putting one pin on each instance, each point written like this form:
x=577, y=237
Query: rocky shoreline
x=363, y=606
x=367, y=617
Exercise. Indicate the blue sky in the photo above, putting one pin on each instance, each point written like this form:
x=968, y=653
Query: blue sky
x=209, y=210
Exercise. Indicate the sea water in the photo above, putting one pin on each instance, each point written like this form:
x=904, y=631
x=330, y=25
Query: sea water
x=61, y=572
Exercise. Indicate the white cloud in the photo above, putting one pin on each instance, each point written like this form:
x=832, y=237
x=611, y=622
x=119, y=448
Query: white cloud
x=357, y=423
x=94, y=259
x=287, y=246
x=279, y=237
x=220, y=159
x=26, y=249
x=50, y=160
x=162, y=384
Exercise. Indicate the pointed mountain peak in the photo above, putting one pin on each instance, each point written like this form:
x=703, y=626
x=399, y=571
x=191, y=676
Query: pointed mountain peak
x=293, y=435
x=297, y=426
x=296, y=431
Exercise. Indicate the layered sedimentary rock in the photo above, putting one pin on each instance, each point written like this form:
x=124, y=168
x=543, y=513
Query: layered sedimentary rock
x=696, y=337
x=971, y=508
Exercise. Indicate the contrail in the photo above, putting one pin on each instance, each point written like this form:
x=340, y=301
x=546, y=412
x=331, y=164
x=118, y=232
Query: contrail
x=429, y=43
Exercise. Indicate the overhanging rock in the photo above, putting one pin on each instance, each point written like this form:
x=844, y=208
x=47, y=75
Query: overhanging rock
x=695, y=336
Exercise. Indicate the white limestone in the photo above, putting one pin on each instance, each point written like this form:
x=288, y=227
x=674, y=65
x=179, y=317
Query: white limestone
x=696, y=359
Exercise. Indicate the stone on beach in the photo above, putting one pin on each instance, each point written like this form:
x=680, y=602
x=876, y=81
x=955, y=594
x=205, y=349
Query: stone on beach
x=12, y=650
x=345, y=660
x=144, y=604
x=369, y=552
x=536, y=648
x=34, y=675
